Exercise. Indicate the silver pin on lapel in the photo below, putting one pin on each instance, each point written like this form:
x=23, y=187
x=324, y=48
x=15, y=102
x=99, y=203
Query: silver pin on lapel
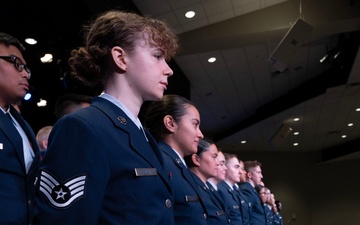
x=122, y=120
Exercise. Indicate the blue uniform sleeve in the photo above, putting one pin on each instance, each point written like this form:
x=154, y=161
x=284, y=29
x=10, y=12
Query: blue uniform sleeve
x=73, y=175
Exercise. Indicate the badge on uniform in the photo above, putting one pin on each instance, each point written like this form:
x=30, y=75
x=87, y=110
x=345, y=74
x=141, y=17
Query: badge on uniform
x=140, y=172
x=122, y=120
x=62, y=195
x=191, y=198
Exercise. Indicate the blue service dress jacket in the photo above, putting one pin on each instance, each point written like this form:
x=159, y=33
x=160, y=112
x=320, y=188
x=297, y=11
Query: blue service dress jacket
x=257, y=212
x=278, y=219
x=188, y=206
x=215, y=209
x=100, y=169
x=16, y=186
x=234, y=206
x=269, y=215
x=244, y=206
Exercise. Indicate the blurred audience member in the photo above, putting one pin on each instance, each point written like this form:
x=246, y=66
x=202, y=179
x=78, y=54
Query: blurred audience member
x=69, y=103
x=42, y=137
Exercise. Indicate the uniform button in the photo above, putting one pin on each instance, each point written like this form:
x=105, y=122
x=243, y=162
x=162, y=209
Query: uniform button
x=29, y=202
x=168, y=203
x=205, y=216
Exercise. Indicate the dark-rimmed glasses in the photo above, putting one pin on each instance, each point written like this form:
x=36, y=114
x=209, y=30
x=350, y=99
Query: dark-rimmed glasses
x=18, y=64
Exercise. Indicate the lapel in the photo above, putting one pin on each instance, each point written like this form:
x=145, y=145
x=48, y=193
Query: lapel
x=216, y=194
x=166, y=149
x=256, y=196
x=232, y=192
x=137, y=140
x=27, y=129
x=211, y=196
x=13, y=136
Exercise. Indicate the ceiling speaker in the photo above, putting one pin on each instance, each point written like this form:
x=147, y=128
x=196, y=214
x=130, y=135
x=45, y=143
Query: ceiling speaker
x=280, y=135
x=289, y=45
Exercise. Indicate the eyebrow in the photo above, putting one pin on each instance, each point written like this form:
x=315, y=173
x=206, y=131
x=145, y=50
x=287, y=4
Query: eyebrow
x=198, y=121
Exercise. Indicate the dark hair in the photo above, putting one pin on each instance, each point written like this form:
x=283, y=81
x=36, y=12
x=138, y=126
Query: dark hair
x=8, y=40
x=258, y=188
x=173, y=105
x=116, y=28
x=65, y=102
x=203, y=146
x=249, y=165
x=229, y=156
x=278, y=205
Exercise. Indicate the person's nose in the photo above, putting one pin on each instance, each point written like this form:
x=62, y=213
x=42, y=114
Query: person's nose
x=167, y=70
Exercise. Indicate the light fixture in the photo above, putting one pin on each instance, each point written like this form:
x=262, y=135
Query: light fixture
x=190, y=14
x=324, y=58
x=212, y=59
x=330, y=56
x=343, y=136
x=41, y=103
x=350, y=124
x=31, y=41
x=243, y=142
x=296, y=144
x=296, y=133
x=296, y=119
x=47, y=58
x=27, y=96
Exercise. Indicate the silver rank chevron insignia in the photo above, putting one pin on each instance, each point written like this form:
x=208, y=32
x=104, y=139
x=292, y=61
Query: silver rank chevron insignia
x=62, y=195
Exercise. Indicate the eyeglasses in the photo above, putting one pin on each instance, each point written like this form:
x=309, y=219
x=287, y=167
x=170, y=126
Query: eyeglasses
x=264, y=193
x=18, y=64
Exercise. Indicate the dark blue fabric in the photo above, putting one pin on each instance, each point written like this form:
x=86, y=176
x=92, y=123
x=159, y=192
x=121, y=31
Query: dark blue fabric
x=234, y=205
x=257, y=213
x=216, y=213
x=16, y=187
x=125, y=182
x=183, y=185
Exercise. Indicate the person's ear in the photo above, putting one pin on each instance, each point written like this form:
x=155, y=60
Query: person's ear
x=248, y=175
x=119, y=57
x=45, y=144
x=195, y=159
x=169, y=123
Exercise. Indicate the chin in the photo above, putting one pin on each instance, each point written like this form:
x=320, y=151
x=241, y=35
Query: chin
x=157, y=97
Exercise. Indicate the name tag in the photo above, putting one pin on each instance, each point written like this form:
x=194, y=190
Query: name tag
x=191, y=198
x=1, y=146
x=235, y=206
x=141, y=172
x=219, y=213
